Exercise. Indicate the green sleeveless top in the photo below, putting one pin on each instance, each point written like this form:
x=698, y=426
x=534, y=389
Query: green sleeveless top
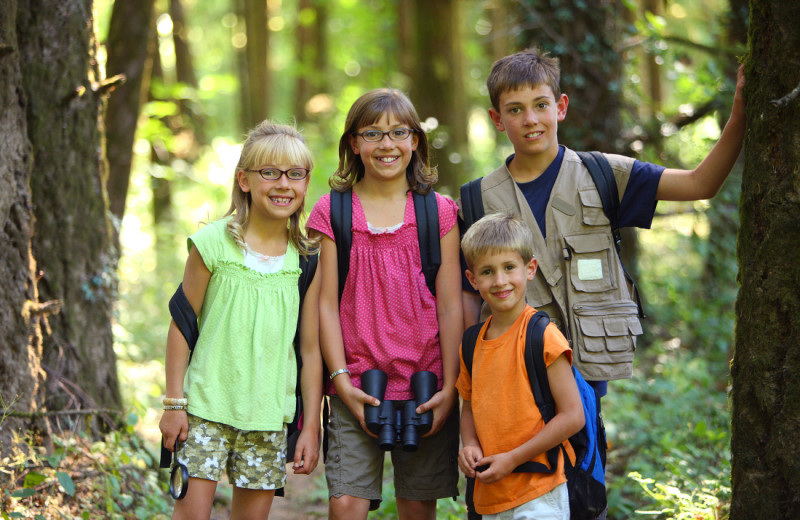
x=243, y=370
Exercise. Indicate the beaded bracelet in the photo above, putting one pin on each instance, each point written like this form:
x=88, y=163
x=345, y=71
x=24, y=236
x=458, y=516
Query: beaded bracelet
x=174, y=407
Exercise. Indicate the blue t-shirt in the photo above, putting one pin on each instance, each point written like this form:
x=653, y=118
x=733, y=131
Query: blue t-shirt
x=638, y=203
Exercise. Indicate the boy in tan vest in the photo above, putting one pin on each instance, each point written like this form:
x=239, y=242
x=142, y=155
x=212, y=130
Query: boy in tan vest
x=580, y=281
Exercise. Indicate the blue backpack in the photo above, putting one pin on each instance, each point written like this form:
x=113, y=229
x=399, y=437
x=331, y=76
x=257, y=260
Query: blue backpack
x=586, y=479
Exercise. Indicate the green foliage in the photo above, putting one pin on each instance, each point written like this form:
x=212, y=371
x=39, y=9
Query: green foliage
x=114, y=478
x=669, y=432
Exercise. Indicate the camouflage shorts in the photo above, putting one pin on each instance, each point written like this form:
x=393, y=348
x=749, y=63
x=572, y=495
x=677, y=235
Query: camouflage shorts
x=252, y=459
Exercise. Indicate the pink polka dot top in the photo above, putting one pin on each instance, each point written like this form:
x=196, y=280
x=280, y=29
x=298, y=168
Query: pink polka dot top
x=387, y=314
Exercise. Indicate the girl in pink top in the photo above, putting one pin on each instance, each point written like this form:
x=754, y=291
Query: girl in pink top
x=388, y=318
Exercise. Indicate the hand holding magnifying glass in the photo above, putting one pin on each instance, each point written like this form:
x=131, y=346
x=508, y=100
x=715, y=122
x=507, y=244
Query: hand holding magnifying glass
x=178, y=476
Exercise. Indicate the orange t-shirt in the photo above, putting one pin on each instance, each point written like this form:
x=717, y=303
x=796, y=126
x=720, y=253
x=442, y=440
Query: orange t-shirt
x=505, y=413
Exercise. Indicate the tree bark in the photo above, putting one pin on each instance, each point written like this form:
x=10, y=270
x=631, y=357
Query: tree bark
x=73, y=238
x=765, y=469
x=20, y=336
x=129, y=51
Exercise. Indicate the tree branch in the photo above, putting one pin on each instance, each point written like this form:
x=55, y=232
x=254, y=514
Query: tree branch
x=788, y=98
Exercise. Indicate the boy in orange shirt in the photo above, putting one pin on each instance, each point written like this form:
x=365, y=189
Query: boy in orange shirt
x=501, y=426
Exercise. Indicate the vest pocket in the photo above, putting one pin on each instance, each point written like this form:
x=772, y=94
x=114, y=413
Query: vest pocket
x=606, y=333
x=593, y=214
x=590, y=257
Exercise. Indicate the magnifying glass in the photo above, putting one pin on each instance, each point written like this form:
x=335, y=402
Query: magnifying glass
x=178, y=476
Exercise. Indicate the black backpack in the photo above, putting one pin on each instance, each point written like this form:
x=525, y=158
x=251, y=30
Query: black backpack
x=427, y=213
x=603, y=177
x=585, y=479
x=185, y=318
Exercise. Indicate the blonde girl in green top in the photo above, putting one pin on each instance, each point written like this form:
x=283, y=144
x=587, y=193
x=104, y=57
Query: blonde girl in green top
x=229, y=407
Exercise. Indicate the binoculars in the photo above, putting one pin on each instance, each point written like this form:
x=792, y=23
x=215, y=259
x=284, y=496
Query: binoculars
x=397, y=422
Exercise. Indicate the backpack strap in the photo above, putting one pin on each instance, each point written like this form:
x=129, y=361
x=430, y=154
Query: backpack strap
x=430, y=249
x=468, y=342
x=540, y=386
x=342, y=224
x=606, y=184
x=471, y=203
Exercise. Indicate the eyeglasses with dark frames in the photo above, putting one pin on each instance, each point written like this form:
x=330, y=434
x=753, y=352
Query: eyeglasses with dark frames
x=396, y=134
x=273, y=174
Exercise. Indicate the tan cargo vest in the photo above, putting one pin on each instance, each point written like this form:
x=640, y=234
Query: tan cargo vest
x=580, y=281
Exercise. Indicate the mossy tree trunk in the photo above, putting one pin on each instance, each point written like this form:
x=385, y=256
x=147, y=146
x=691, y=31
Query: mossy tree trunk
x=55, y=214
x=765, y=469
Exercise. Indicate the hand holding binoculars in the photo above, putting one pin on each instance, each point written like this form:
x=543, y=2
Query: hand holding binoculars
x=397, y=422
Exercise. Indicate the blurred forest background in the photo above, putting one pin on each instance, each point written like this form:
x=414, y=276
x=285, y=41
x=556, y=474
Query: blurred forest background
x=653, y=79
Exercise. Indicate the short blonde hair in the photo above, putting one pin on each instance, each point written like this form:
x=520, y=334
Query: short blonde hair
x=496, y=233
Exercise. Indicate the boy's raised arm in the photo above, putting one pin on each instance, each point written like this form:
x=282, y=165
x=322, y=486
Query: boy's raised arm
x=705, y=181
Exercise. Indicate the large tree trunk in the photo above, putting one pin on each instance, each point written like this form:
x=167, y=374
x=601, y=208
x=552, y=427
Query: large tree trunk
x=765, y=470
x=20, y=337
x=73, y=239
x=129, y=52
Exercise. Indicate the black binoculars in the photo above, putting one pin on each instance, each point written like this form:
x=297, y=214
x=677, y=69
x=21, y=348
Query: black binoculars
x=397, y=422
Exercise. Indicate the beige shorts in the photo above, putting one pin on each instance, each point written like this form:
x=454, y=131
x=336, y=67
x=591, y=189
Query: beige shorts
x=354, y=461
x=251, y=459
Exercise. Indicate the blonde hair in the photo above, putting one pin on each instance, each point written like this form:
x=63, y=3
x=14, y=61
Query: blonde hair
x=368, y=110
x=496, y=233
x=528, y=68
x=270, y=143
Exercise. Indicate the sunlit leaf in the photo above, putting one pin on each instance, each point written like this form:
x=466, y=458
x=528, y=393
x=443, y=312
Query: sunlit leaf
x=33, y=479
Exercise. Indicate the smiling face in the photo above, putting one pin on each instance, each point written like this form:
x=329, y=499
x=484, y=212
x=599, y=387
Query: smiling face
x=275, y=200
x=501, y=278
x=386, y=159
x=530, y=117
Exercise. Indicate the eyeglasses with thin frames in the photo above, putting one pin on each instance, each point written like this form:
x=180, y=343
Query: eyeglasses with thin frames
x=273, y=174
x=396, y=134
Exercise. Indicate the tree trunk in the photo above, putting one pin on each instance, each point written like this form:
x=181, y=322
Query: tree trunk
x=129, y=51
x=765, y=469
x=438, y=89
x=20, y=335
x=311, y=57
x=253, y=69
x=73, y=239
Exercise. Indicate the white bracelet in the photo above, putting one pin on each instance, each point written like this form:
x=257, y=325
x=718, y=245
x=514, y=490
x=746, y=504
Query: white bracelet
x=340, y=371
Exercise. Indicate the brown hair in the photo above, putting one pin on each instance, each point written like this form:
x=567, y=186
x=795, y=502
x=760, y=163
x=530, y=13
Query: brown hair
x=528, y=68
x=495, y=233
x=368, y=110
x=270, y=143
